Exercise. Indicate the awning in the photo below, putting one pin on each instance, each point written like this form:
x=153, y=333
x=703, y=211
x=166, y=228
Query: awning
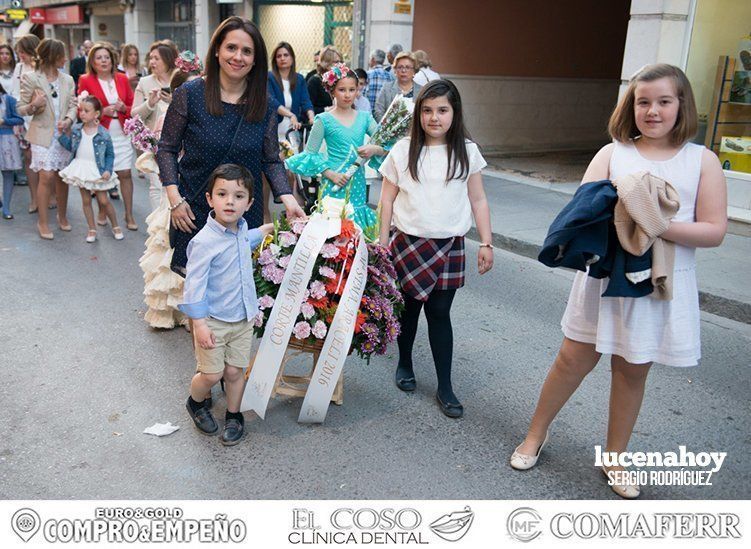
x=24, y=28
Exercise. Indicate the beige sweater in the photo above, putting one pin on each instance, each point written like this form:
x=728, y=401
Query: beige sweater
x=645, y=206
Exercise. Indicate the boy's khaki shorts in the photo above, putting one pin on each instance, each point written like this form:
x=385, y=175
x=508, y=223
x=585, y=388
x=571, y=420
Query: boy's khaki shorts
x=233, y=343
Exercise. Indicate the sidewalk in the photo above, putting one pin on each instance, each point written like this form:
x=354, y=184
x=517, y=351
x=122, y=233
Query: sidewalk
x=522, y=208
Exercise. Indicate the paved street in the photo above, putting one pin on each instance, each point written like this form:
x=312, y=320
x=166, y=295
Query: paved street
x=84, y=375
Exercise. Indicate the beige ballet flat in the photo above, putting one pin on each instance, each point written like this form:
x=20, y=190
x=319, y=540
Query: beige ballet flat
x=626, y=491
x=522, y=462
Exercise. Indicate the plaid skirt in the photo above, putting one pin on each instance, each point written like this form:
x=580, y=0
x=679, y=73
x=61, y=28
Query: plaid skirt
x=425, y=264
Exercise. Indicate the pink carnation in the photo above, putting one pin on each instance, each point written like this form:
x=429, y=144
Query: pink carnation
x=298, y=227
x=258, y=320
x=317, y=289
x=301, y=330
x=272, y=273
x=328, y=272
x=307, y=310
x=265, y=302
x=266, y=257
x=319, y=329
x=329, y=250
x=284, y=261
x=287, y=238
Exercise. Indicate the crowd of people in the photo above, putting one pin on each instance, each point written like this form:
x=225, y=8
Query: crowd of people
x=219, y=130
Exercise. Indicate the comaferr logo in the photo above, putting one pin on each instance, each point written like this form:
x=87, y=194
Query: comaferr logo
x=657, y=526
x=454, y=526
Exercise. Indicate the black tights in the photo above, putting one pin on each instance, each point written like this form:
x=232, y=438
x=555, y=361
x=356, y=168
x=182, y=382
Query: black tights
x=440, y=335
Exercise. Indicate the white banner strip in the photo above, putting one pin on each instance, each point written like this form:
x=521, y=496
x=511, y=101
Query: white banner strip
x=284, y=313
x=451, y=524
x=339, y=337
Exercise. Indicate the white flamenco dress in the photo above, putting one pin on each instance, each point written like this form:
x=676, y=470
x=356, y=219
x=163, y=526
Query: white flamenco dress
x=163, y=288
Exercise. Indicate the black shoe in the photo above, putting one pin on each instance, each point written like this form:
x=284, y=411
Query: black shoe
x=450, y=409
x=233, y=432
x=7, y=216
x=203, y=420
x=114, y=195
x=406, y=384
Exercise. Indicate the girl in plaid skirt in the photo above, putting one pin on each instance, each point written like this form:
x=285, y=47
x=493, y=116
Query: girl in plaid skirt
x=432, y=187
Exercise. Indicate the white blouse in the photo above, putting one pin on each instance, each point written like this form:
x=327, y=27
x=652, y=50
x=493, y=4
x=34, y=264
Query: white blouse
x=430, y=207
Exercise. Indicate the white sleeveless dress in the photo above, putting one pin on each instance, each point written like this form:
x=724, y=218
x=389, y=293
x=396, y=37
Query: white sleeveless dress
x=645, y=329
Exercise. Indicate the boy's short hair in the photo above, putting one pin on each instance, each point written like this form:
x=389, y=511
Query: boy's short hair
x=232, y=172
x=362, y=76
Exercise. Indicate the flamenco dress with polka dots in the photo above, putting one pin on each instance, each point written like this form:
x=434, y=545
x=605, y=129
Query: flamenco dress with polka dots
x=206, y=141
x=341, y=152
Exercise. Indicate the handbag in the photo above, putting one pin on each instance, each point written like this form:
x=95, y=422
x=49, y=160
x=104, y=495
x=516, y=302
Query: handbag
x=189, y=200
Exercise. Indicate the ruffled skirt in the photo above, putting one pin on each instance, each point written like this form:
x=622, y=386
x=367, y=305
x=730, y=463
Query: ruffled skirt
x=85, y=174
x=163, y=289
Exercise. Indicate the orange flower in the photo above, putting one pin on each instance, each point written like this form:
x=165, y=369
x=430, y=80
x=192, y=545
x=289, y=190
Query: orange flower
x=361, y=318
x=348, y=229
x=319, y=303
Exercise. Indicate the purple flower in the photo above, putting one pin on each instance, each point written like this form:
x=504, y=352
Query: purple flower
x=265, y=257
x=307, y=310
x=287, y=238
x=367, y=347
x=319, y=329
x=317, y=289
x=265, y=302
x=272, y=273
x=328, y=272
x=329, y=251
x=301, y=330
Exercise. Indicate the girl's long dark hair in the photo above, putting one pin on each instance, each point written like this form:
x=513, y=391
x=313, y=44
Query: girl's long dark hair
x=2, y=90
x=12, y=55
x=292, y=69
x=456, y=137
x=254, y=99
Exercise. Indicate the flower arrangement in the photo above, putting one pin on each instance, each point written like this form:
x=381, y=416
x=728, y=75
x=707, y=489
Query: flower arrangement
x=333, y=75
x=142, y=137
x=189, y=62
x=377, y=322
x=394, y=125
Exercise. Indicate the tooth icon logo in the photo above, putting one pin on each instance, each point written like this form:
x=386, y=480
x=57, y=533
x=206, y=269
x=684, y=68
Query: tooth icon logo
x=454, y=526
x=25, y=523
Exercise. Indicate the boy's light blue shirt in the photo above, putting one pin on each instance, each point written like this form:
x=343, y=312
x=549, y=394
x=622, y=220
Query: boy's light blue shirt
x=219, y=281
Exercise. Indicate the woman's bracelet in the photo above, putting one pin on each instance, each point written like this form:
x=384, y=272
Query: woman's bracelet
x=486, y=246
x=182, y=201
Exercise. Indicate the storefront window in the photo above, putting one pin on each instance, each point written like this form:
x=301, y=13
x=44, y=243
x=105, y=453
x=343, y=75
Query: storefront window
x=174, y=20
x=719, y=68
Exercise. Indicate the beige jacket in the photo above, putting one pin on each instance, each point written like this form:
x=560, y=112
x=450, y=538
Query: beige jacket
x=42, y=125
x=141, y=106
x=645, y=206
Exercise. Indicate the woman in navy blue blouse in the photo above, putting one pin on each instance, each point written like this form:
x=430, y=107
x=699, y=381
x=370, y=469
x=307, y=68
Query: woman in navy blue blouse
x=288, y=87
x=225, y=117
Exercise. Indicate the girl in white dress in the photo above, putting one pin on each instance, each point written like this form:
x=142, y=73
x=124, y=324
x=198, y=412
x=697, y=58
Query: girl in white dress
x=651, y=127
x=92, y=168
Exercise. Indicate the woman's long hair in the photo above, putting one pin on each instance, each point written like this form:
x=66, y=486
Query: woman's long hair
x=456, y=137
x=292, y=69
x=49, y=52
x=28, y=44
x=12, y=55
x=254, y=98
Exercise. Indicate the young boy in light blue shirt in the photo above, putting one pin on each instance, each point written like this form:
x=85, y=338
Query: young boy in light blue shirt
x=220, y=297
